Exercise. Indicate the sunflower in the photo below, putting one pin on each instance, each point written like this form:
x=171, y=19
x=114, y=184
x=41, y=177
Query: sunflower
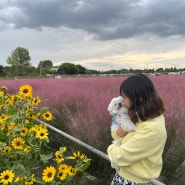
x=84, y=158
x=9, y=101
x=6, y=177
x=72, y=171
x=42, y=133
x=4, y=88
x=33, y=129
x=25, y=90
x=63, y=171
x=32, y=115
x=47, y=116
x=30, y=112
x=11, y=125
x=1, y=93
x=18, y=179
x=4, y=117
x=36, y=101
x=27, y=121
x=48, y=174
x=27, y=149
x=30, y=180
x=24, y=131
x=62, y=175
x=17, y=143
x=59, y=157
x=7, y=149
x=63, y=167
x=2, y=125
x=77, y=156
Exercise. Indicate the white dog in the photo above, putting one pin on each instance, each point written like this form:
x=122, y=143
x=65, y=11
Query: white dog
x=119, y=113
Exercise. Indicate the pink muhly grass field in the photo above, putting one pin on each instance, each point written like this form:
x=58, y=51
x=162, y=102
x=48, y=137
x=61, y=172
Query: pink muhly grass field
x=80, y=104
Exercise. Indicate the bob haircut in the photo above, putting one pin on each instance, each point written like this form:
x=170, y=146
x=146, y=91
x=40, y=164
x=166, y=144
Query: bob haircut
x=145, y=103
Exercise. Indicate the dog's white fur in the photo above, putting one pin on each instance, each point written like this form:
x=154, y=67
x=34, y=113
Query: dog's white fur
x=119, y=113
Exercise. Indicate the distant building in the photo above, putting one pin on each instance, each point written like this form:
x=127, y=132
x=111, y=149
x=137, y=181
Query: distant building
x=54, y=70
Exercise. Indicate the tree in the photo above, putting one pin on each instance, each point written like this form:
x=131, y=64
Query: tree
x=19, y=57
x=68, y=69
x=160, y=70
x=1, y=70
x=45, y=64
x=81, y=69
x=19, y=61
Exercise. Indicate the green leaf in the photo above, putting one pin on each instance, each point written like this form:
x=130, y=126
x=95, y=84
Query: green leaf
x=15, y=116
x=12, y=111
x=16, y=129
x=84, y=166
x=8, y=106
x=28, y=105
x=45, y=158
x=58, y=183
x=39, y=181
x=90, y=177
x=44, y=109
x=2, y=136
x=19, y=169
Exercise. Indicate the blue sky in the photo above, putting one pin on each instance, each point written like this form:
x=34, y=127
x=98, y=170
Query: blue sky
x=100, y=35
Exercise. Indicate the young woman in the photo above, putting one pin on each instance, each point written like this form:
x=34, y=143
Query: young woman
x=139, y=157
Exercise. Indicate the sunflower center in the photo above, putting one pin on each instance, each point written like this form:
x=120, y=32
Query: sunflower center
x=18, y=143
x=6, y=177
x=77, y=158
x=42, y=134
x=49, y=175
x=71, y=170
x=25, y=91
x=60, y=174
x=47, y=115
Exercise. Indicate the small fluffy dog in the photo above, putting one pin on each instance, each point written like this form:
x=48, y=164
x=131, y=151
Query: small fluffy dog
x=119, y=113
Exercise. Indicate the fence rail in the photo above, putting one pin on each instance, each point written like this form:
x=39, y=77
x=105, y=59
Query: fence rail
x=92, y=149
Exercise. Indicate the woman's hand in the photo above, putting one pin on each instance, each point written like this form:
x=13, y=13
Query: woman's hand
x=120, y=132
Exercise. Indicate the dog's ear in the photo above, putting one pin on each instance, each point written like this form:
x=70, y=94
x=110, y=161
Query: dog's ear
x=112, y=104
x=120, y=98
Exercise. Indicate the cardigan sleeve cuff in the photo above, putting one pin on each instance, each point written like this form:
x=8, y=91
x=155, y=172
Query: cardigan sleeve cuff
x=109, y=149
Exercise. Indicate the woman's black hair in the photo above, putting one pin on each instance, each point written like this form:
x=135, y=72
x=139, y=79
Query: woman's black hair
x=145, y=103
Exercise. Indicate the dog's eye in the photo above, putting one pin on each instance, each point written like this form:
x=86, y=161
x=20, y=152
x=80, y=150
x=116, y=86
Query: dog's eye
x=120, y=104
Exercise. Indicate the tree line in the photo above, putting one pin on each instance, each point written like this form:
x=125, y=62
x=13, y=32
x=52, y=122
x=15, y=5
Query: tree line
x=20, y=65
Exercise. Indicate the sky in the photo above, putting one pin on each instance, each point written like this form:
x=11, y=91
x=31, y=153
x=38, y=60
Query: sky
x=97, y=34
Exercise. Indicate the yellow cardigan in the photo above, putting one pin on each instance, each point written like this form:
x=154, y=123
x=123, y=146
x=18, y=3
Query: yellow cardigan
x=139, y=157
